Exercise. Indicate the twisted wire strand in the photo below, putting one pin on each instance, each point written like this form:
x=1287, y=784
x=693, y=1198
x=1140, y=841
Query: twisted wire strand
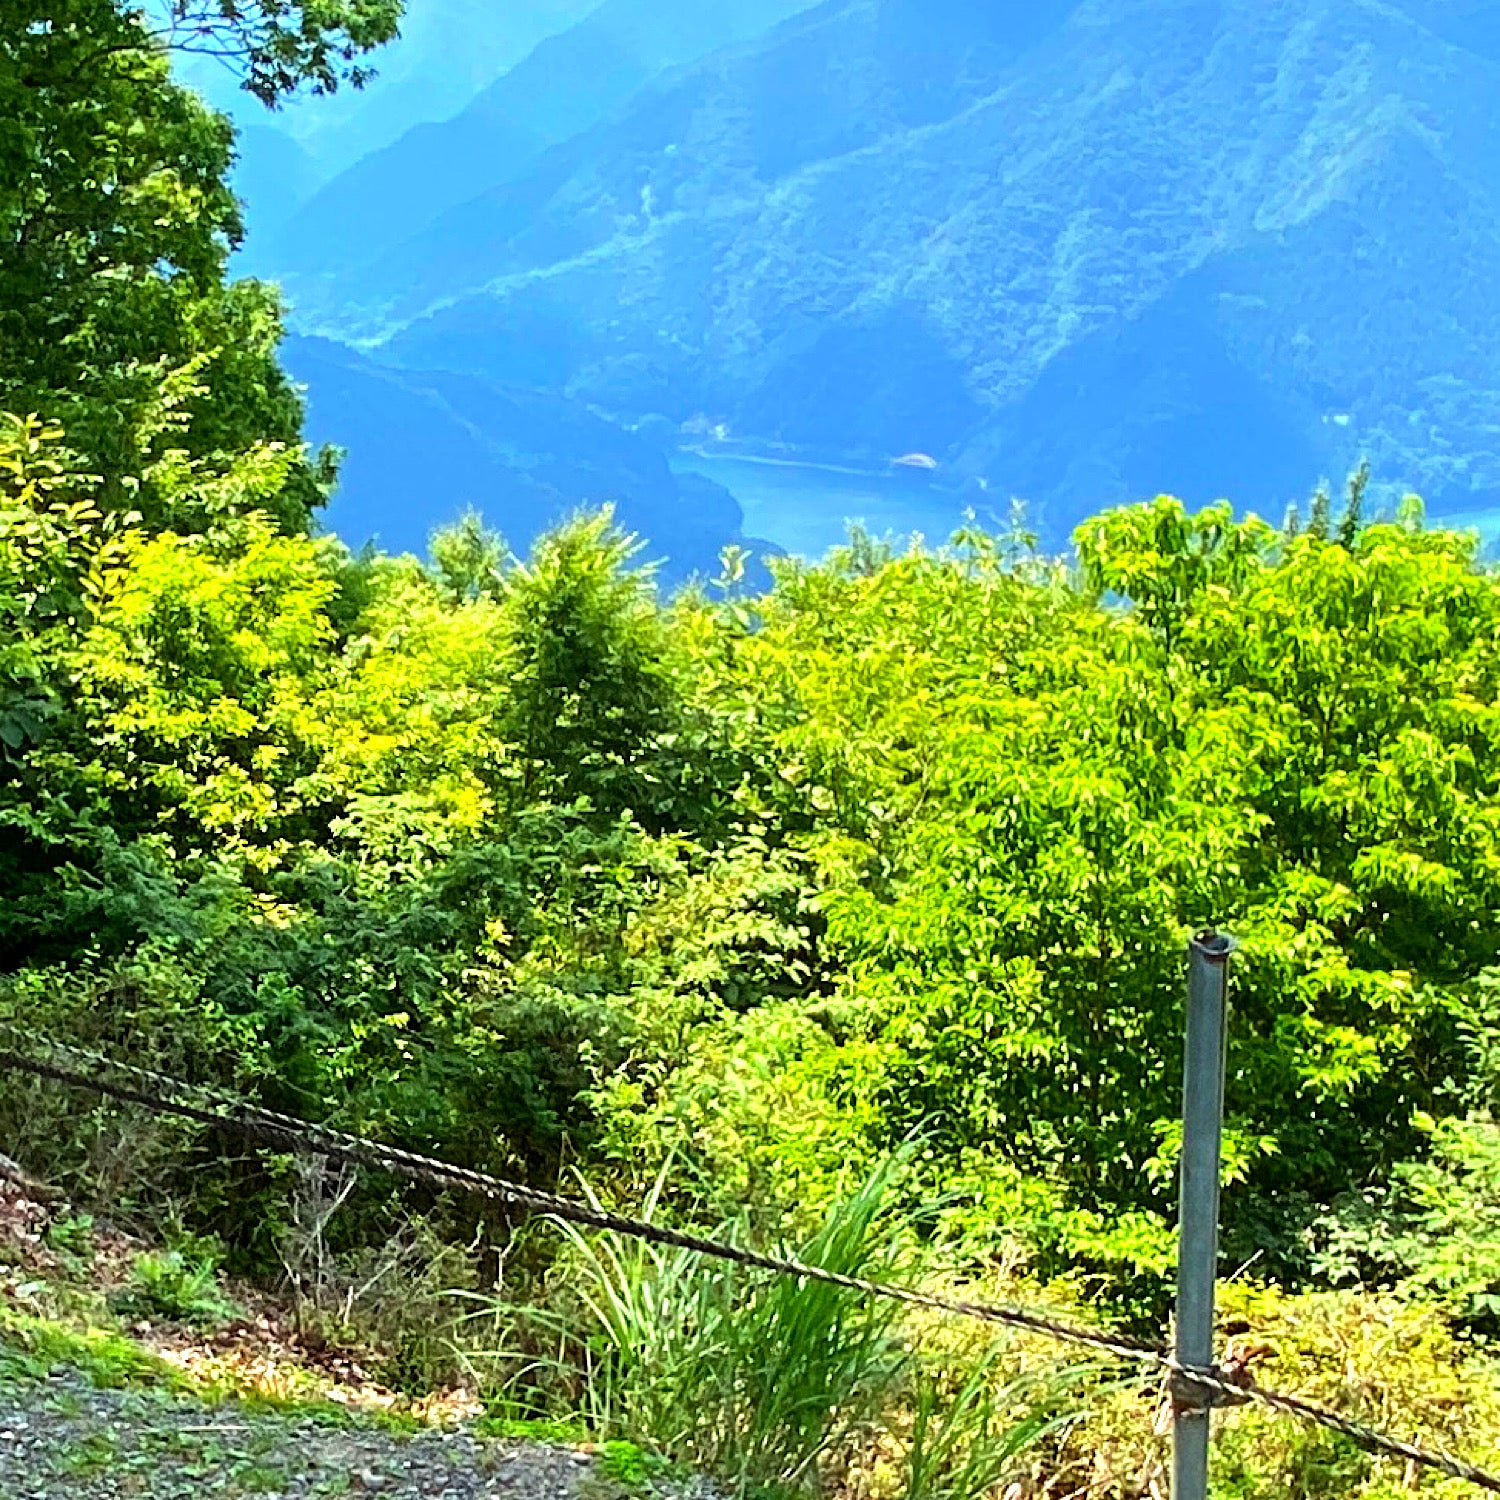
x=162, y=1093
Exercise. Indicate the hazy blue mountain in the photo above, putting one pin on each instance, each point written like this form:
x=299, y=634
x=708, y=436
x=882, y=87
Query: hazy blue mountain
x=568, y=83
x=272, y=175
x=421, y=447
x=448, y=51
x=1074, y=253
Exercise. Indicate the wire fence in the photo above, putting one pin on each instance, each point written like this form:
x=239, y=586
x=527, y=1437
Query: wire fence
x=57, y=1062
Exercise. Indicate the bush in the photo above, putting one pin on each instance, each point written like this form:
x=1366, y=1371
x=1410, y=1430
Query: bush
x=769, y=1382
x=168, y=1284
x=1385, y=1360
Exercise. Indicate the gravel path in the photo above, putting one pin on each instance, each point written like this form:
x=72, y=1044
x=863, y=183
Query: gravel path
x=61, y=1437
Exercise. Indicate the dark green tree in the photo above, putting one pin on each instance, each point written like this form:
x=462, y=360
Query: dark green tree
x=279, y=46
x=591, y=701
x=1354, y=506
x=469, y=559
x=1319, y=516
x=116, y=220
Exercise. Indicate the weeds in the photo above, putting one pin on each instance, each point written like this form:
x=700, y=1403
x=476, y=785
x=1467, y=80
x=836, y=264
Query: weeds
x=534, y=1430
x=763, y=1381
x=753, y=1379
x=963, y=1444
x=629, y=1465
x=167, y=1284
x=72, y=1237
x=31, y=1347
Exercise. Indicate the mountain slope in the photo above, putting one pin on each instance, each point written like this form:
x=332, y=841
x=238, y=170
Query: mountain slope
x=422, y=447
x=272, y=175
x=568, y=83
x=966, y=227
x=448, y=51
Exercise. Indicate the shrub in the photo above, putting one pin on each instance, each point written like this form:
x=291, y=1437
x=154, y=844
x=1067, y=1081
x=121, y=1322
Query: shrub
x=771, y=1382
x=168, y=1284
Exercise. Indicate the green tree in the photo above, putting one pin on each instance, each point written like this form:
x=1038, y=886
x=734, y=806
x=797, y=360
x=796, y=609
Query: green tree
x=280, y=46
x=591, y=703
x=1162, y=558
x=52, y=540
x=115, y=224
x=1026, y=795
x=469, y=559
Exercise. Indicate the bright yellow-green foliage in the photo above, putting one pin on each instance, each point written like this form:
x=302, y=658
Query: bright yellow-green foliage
x=1383, y=1361
x=518, y=860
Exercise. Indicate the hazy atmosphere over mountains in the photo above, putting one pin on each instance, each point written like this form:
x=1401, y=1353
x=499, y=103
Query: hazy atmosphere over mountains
x=1075, y=255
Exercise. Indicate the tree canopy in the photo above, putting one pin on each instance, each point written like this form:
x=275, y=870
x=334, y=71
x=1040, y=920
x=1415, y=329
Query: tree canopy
x=925, y=832
x=280, y=46
x=116, y=221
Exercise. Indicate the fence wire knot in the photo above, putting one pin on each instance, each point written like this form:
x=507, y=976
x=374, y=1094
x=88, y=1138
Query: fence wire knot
x=1189, y=1391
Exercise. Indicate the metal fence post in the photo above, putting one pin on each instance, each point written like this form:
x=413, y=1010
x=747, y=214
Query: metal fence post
x=1198, y=1219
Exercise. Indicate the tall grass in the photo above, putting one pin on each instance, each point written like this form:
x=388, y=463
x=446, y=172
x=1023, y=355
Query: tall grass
x=762, y=1380
x=967, y=1442
x=749, y=1376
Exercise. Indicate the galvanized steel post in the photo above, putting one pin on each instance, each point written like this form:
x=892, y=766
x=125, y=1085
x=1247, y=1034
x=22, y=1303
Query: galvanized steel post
x=1198, y=1220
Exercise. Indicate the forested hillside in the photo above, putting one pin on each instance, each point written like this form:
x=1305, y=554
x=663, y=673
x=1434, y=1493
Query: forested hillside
x=425, y=443
x=1081, y=252
x=847, y=911
x=564, y=86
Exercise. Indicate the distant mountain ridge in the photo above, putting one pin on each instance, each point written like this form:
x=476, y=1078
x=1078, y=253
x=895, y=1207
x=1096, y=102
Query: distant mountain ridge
x=448, y=51
x=1221, y=246
x=569, y=83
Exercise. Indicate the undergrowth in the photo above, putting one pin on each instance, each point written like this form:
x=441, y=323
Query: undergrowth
x=771, y=1384
x=669, y=1362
